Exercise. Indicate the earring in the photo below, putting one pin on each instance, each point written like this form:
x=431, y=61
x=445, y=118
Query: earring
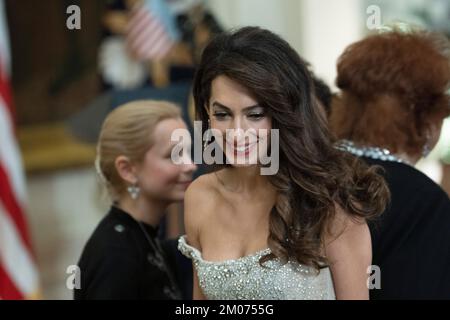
x=426, y=147
x=426, y=150
x=208, y=135
x=134, y=191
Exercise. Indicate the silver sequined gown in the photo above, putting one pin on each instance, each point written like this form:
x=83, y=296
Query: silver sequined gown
x=245, y=279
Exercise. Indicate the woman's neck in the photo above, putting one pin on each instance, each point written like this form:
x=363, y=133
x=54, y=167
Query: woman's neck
x=142, y=209
x=411, y=159
x=244, y=179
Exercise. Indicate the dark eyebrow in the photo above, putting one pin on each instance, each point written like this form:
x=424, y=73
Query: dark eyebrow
x=218, y=104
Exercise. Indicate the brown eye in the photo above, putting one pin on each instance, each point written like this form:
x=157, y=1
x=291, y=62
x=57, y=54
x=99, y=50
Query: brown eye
x=256, y=116
x=220, y=115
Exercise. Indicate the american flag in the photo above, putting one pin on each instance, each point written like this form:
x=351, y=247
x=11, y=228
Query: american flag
x=151, y=30
x=18, y=273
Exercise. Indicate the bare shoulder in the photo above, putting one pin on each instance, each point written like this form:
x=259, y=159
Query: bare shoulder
x=199, y=204
x=344, y=224
x=348, y=234
x=348, y=248
x=202, y=191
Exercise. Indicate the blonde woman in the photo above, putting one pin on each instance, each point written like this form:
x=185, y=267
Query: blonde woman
x=123, y=258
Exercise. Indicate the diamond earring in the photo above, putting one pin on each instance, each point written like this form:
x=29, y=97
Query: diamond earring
x=426, y=150
x=134, y=191
x=426, y=147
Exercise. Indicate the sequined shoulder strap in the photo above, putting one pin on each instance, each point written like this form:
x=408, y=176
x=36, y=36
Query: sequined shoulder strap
x=187, y=250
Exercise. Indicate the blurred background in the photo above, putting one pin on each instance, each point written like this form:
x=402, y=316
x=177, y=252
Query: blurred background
x=65, y=65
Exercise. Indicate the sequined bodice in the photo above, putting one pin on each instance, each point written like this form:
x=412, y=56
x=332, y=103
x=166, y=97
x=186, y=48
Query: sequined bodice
x=246, y=279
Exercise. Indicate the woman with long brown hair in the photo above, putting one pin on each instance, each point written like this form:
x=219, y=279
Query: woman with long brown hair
x=299, y=233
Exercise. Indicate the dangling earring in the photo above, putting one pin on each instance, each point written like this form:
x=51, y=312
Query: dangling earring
x=208, y=135
x=134, y=191
x=426, y=147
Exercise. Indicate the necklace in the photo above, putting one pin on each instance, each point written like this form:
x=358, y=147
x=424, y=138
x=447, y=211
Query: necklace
x=159, y=261
x=377, y=153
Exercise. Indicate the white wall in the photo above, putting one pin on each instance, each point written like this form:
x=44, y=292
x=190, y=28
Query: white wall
x=318, y=29
x=278, y=16
x=328, y=27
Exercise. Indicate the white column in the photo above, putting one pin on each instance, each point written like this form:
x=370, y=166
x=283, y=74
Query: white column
x=279, y=16
x=328, y=27
x=318, y=29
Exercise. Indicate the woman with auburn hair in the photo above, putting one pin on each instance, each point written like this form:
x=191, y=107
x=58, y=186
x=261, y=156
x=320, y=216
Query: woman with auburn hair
x=123, y=258
x=390, y=112
x=299, y=233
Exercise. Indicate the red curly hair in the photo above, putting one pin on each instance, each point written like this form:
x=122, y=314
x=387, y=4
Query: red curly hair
x=393, y=85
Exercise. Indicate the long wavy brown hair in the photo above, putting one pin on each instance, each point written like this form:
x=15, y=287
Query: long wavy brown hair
x=314, y=177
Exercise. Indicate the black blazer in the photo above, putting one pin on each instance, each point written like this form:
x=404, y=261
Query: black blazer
x=411, y=240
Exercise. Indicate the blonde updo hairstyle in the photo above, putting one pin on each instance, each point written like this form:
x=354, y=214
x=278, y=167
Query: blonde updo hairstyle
x=127, y=131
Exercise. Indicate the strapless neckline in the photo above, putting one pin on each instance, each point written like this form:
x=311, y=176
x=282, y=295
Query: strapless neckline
x=245, y=278
x=258, y=254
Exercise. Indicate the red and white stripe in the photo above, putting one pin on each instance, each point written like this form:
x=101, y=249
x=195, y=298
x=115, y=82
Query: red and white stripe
x=18, y=273
x=147, y=38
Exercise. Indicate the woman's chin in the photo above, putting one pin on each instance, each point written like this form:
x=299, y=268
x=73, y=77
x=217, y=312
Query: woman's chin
x=242, y=161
